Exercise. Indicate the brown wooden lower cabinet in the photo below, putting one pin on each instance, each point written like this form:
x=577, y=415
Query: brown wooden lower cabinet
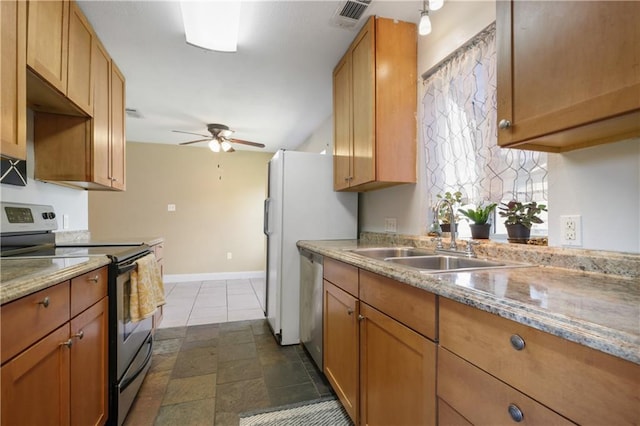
x=397, y=372
x=382, y=371
x=341, y=348
x=35, y=384
x=58, y=377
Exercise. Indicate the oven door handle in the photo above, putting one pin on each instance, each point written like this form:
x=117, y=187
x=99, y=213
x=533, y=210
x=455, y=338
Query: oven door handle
x=125, y=383
x=127, y=268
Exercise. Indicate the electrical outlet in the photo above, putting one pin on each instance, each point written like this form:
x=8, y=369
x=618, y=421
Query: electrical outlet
x=390, y=224
x=571, y=230
x=229, y=255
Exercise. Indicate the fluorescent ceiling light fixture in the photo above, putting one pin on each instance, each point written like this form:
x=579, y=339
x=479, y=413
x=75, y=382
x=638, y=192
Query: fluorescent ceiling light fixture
x=212, y=25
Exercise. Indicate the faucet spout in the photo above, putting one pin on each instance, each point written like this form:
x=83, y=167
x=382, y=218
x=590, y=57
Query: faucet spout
x=452, y=220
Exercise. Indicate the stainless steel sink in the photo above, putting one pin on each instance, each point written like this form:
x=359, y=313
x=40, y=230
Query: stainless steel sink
x=389, y=252
x=435, y=264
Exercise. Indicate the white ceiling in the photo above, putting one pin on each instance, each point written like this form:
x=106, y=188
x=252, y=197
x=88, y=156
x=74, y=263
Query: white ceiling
x=276, y=89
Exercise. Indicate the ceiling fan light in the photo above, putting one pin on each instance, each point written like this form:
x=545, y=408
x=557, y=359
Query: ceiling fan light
x=212, y=25
x=214, y=145
x=226, y=146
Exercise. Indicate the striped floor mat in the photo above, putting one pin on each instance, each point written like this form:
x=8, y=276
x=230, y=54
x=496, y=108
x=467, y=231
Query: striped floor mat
x=319, y=413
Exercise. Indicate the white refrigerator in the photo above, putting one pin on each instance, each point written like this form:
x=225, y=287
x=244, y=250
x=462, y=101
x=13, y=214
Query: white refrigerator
x=301, y=205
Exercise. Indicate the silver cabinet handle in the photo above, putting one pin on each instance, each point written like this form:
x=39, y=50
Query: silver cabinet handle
x=94, y=279
x=517, y=342
x=516, y=413
x=360, y=317
x=349, y=311
x=79, y=335
x=504, y=124
x=68, y=343
x=44, y=302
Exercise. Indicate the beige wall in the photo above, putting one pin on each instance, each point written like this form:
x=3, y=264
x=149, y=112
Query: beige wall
x=218, y=198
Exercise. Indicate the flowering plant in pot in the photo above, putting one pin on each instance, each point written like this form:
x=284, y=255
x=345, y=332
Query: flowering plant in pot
x=480, y=217
x=519, y=217
x=455, y=199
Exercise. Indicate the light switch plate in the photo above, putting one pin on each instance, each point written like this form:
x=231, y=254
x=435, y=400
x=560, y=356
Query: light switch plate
x=390, y=224
x=171, y=207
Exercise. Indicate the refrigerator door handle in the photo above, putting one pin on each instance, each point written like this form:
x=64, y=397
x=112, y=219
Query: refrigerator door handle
x=265, y=226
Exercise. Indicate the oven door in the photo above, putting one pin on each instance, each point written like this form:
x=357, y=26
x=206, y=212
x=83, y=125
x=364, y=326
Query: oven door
x=131, y=336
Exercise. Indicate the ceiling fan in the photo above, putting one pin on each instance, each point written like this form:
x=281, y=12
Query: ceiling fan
x=220, y=138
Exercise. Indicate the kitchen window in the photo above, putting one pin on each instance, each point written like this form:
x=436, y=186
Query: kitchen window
x=459, y=135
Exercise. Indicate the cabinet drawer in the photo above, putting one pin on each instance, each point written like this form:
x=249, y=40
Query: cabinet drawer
x=30, y=318
x=484, y=400
x=412, y=306
x=87, y=289
x=341, y=274
x=549, y=369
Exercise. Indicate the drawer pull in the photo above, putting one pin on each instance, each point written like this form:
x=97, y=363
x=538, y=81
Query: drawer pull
x=94, y=279
x=79, y=335
x=517, y=342
x=68, y=343
x=44, y=302
x=516, y=413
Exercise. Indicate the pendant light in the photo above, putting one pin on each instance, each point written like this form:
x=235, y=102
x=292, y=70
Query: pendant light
x=435, y=5
x=424, y=27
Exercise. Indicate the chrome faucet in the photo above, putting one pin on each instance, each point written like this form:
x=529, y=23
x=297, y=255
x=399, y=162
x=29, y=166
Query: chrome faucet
x=435, y=226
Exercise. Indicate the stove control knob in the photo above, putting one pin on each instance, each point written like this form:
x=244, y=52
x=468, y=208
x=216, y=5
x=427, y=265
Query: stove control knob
x=52, y=215
x=45, y=215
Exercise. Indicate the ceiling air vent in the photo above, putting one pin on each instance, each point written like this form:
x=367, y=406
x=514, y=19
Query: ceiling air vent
x=348, y=13
x=133, y=113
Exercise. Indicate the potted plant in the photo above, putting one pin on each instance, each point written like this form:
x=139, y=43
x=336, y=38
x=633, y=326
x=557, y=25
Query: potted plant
x=519, y=217
x=480, y=227
x=455, y=199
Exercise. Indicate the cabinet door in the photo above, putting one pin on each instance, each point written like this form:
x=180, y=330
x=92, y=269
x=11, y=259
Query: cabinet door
x=564, y=66
x=47, y=37
x=80, y=77
x=397, y=372
x=89, y=389
x=35, y=384
x=341, y=349
x=14, y=86
x=364, y=108
x=101, y=69
x=342, y=124
x=118, y=137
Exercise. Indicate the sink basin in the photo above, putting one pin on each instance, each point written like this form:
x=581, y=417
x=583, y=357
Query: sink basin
x=387, y=252
x=434, y=264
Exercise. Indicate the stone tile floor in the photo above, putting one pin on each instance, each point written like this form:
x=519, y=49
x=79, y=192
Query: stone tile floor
x=209, y=374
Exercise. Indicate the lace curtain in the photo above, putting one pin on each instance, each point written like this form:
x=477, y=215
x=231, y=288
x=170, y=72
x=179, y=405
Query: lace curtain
x=459, y=133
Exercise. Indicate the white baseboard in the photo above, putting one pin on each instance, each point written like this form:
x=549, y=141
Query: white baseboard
x=212, y=276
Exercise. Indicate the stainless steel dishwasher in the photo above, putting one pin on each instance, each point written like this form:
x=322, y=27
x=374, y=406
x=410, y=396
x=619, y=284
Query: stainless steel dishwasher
x=311, y=304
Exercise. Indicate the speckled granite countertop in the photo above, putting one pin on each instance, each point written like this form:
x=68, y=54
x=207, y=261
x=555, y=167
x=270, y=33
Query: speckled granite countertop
x=597, y=310
x=21, y=277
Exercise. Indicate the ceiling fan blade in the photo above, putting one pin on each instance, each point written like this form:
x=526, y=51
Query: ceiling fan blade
x=190, y=133
x=256, y=144
x=190, y=142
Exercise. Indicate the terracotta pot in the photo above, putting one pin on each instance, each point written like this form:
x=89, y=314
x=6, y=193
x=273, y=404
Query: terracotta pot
x=518, y=232
x=480, y=232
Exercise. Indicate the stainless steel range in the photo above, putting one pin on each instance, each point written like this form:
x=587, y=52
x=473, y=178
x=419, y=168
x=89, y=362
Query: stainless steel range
x=27, y=232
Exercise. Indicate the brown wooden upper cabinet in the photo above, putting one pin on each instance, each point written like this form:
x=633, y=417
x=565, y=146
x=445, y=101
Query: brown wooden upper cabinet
x=567, y=73
x=13, y=128
x=374, y=101
x=59, y=46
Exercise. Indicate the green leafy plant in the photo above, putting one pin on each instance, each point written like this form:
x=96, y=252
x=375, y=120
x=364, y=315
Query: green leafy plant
x=516, y=212
x=480, y=215
x=455, y=199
